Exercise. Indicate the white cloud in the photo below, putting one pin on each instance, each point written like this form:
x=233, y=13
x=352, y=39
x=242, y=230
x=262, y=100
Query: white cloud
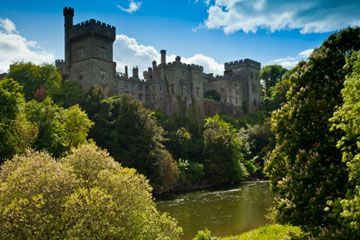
x=309, y=16
x=127, y=51
x=7, y=25
x=15, y=48
x=133, y=7
x=290, y=62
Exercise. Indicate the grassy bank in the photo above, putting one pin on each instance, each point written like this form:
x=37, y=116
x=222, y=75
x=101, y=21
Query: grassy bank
x=269, y=232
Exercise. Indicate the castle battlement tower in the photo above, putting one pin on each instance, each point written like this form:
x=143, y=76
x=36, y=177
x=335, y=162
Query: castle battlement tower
x=88, y=53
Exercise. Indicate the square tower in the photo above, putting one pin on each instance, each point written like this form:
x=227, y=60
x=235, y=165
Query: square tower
x=88, y=53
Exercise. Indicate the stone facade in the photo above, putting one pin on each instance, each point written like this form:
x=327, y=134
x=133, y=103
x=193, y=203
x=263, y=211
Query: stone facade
x=174, y=88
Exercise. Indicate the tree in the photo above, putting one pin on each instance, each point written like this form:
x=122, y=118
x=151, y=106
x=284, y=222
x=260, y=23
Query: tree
x=347, y=120
x=16, y=132
x=35, y=79
x=225, y=152
x=68, y=94
x=305, y=167
x=271, y=75
x=213, y=95
x=133, y=137
x=59, y=129
x=86, y=195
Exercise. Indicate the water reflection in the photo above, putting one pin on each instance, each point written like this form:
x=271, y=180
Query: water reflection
x=226, y=212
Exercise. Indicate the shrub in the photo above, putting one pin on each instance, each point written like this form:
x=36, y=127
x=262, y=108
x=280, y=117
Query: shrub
x=86, y=195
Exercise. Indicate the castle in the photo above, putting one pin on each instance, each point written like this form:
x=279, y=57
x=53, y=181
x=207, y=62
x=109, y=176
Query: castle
x=173, y=88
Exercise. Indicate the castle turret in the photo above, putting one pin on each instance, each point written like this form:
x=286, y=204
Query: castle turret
x=178, y=59
x=126, y=72
x=136, y=72
x=163, y=56
x=68, y=24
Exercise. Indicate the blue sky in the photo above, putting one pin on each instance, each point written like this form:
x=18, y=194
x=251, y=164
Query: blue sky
x=206, y=32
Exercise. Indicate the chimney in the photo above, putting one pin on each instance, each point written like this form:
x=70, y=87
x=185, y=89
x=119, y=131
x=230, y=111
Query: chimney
x=126, y=72
x=135, y=72
x=163, y=56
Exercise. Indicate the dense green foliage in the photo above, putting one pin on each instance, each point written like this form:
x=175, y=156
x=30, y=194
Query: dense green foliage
x=59, y=129
x=86, y=195
x=38, y=80
x=68, y=94
x=132, y=136
x=213, y=95
x=305, y=167
x=225, y=153
x=203, y=235
x=271, y=75
x=40, y=125
x=16, y=132
x=347, y=119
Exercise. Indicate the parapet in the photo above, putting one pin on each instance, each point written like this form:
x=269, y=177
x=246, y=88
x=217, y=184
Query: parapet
x=187, y=66
x=93, y=27
x=68, y=11
x=242, y=63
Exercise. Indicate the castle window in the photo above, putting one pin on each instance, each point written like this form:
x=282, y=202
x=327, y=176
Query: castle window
x=161, y=88
x=140, y=96
x=81, y=76
x=146, y=88
x=236, y=100
x=102, y=75
x=184, y=90
x=80, y=53
x=102, y=52
x=198, y=92
x=172, y=89
x=139, y=87
x=126, y=86
x=161, y=99
x=252, y=75
x=133, y=85
x=154, y=98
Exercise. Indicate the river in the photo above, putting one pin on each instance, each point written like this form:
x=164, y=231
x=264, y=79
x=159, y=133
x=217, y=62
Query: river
x=226, y=212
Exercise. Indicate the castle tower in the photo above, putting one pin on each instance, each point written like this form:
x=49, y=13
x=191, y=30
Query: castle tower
x=68, y=24
x=89, y=53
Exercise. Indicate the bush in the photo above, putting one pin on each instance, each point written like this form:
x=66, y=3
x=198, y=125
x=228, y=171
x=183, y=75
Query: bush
x=86, y=195
x=203, y=235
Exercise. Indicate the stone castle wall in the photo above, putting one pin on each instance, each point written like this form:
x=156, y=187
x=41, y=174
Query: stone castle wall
x=174, y=88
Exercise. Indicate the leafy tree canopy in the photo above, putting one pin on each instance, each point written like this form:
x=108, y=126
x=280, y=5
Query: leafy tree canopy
x=37, y=80
x=86, y=195
x=132, y=135
x=305, y=167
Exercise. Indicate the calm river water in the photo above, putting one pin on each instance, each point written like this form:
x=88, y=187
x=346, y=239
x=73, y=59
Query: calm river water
x=224, y=213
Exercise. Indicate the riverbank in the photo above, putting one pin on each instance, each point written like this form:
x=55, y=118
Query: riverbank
x=269, y=232
x=173, y=193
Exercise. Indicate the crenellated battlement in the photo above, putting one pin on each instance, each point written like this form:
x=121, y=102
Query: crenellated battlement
x=193, y=67
x=93, y=26
x=59, y=61
x=242, y=63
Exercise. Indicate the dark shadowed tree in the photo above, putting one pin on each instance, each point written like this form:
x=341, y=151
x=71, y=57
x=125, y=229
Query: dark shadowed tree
x=305, y=168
